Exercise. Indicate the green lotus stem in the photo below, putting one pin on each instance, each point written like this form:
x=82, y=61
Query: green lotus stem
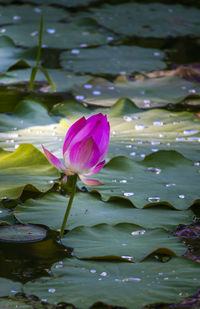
x=40, y=41
x=74, y=180
x=51, y=83
x=36, y=67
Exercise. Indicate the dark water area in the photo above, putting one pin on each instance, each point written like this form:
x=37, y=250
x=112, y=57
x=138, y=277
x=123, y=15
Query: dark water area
x=27, y=261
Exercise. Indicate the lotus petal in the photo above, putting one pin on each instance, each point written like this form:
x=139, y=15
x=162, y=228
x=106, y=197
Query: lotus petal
x=89, y=181
x=83, y=156
x=55, y=161
x=72, y=132
x=97, y=168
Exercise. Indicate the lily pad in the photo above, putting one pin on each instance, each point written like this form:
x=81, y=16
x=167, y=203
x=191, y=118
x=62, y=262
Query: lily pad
x=82, y=283
x=68, y=3
x=8, y=287
x=149, y=20
x=26, y=167
x=51, y=135
x=63, y=81
x=89, y=210
x=26, y=114
x=59, y=35
x=31, y=123
x=12, y=55
x=22, y=233
x=134, y=133
x=122, y=241
x=150, y=92
x=113, y=60
x=161, y=178
x=25, y=14
x=6, y=216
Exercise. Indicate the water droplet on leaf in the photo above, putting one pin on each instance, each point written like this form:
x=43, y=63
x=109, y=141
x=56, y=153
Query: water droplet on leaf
x=154, y=199
x=158, y=123
x=192, y=91
x=128, y=194
x=88, y=86
x=51, y=290
x=154, y=170
x=51, y=31
x=127, y=257
x=170, y=185
x=139, y=127
x=123, y=181
x=96, y=92
x=79, y=97
x=180, y=139
x=131, y=279
x=140, y=232
x=16, y=17
x=130, y=118
x=75, y=51
x=189, y=132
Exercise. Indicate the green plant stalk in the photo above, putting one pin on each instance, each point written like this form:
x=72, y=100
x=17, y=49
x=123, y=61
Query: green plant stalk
x=36, y=67
x=40, y=42
x=75, y=177
x=51, y=83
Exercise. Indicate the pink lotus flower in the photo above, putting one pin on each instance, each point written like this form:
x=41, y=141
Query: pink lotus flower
x=84, y=148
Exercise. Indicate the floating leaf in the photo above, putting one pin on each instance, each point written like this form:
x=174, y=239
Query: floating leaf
x=59, y=35
x=26, y=114
x=134, y=133
x=150, y=92
x=123, y=241
x=12, y=55
x=149, y=20
x=83, y=283
x=62, y=79
x=68, y=3
x=26, y=14
x=22, y=233
x=113, y=60
x=161, y=178
x=6, y=215
x=8, y=287
x=27, y=166
x=89, y=210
